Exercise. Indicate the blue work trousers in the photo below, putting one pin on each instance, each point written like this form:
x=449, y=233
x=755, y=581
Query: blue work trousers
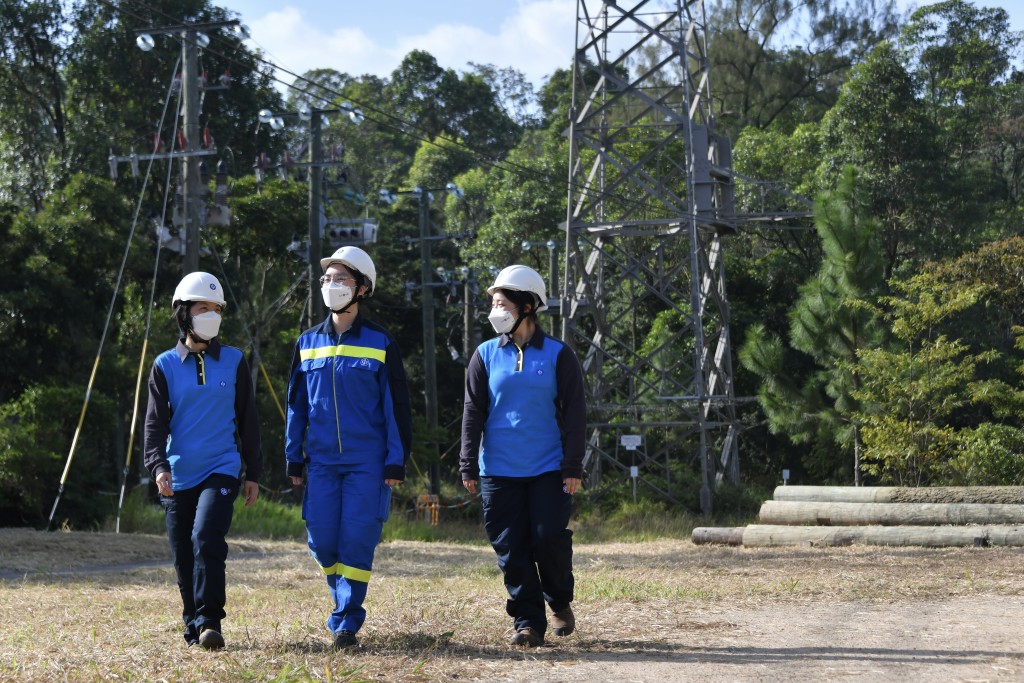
x=197, y=520
x=345, y=508
x=526, y=520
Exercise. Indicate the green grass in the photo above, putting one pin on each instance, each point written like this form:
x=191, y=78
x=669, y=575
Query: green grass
x=271, y=519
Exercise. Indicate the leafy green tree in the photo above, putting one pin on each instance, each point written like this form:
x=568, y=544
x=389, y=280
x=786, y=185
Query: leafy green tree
x=960, y=55
x=526, y=201
x=435, y=100
x=117, y=94
x=880, y=126
x=911, y=392
x=317, y=88
x=761, y=81
x=962, y=58
x=32, y=99
x=36, y=430
x=808, y=390
x=514, y=93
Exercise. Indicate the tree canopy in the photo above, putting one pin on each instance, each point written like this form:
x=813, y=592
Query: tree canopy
x=887, y=335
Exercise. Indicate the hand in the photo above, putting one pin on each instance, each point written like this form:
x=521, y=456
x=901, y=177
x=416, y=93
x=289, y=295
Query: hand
x=392, y=482
x=470, y=485
x=296, y=481
x=163, y=484
x=252, y=492
x=571, y=485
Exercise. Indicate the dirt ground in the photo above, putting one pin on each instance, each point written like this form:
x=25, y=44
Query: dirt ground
x=664, y=611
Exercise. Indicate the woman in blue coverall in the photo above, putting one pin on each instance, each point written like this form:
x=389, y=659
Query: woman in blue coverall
x=523, y=437
x=350, y=426
x=201, y=434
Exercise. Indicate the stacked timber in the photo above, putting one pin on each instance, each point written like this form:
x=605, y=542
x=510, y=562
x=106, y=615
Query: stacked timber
x=838, y=515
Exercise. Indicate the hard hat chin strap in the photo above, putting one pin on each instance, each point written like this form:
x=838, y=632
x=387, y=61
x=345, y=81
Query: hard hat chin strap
x=354, y=300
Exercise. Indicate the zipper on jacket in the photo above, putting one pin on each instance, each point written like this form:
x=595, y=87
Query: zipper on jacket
x=334, y=390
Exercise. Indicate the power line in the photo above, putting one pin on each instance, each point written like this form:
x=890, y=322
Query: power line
x=400, y=125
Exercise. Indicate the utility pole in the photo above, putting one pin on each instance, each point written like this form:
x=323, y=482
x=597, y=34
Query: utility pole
x=424, y=196
x=190, y=164
x=355, y=231
x=194, y=210
x=316, y=310
x=470, y=333
x=429, y=343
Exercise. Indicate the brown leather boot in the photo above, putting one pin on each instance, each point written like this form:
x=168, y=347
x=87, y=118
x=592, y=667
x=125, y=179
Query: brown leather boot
x=527, y=637
x=563, y=622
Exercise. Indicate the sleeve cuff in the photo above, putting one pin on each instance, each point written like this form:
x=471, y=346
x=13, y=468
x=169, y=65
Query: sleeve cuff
x=294, y=469
x=394, y=472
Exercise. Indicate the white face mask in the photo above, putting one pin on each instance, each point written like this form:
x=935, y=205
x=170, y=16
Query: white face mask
x=205, y=326
x=501, y=321
x=336, y=296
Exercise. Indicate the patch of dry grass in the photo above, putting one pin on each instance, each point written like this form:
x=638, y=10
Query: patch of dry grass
x=436, y=611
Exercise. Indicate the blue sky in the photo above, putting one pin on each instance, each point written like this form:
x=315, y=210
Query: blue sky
x=358, y=37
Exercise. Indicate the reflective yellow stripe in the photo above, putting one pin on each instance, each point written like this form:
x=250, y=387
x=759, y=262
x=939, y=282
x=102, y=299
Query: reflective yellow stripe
x=343, y=350
x=348, y=572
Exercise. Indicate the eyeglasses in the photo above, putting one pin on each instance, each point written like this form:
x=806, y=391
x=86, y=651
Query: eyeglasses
x=338, y=279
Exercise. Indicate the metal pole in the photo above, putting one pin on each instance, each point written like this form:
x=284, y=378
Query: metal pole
x=553, y=284
x=315, y=310
x=429, y=348
x=190, y=165
x=469, y=331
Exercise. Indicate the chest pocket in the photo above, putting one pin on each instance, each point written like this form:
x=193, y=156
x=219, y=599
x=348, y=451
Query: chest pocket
x=220, y=377
x=537, y=372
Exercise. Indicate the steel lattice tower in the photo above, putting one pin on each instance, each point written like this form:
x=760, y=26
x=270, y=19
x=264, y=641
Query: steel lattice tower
x=651, y=197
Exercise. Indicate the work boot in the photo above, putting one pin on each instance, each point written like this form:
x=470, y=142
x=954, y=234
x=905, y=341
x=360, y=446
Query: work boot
x=343, y=640
x=563, y=622
x=527, y=637
x=211, y=639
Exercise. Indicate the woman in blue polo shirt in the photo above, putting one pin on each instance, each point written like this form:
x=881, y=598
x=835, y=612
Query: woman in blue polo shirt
x=201, y=435
x=523, y=438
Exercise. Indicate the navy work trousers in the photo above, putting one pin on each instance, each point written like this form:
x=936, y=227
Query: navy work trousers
x=526, y=520
x=345, y=508
x=198, y=519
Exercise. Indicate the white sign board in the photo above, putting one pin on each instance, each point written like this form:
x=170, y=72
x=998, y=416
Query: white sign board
x=630, y=441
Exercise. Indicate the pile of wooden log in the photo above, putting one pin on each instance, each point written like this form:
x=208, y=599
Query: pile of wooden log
x=896, y=516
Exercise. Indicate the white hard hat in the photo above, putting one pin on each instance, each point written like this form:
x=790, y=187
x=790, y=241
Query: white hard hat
x=199, y=286
x=356, y=259
x=522, y=279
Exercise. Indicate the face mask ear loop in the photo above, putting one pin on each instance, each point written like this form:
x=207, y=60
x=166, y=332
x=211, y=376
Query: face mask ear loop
x=356, y=298
x=515, y=326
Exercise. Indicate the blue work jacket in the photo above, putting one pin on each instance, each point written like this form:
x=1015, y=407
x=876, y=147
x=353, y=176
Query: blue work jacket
x=348, y=400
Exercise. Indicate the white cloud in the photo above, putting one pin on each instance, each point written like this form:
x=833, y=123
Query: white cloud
x=291, y=41
x=536, y=40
